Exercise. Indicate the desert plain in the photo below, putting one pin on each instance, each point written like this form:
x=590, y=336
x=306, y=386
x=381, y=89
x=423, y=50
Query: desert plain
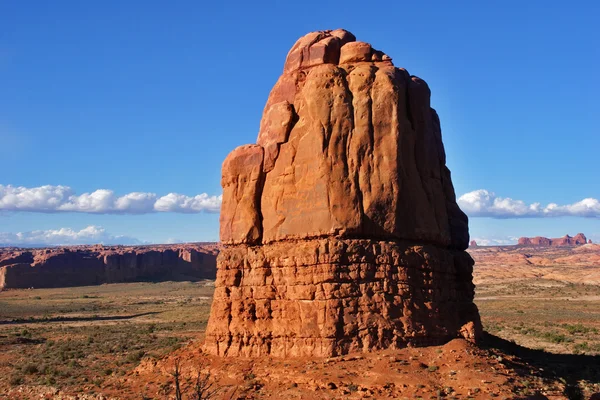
x=540, y=308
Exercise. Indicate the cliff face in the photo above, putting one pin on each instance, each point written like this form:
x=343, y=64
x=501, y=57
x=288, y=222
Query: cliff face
x=566, y=240
x=80, y=266
x=340, y=226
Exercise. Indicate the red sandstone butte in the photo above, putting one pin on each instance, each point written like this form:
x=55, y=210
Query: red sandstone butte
x=566, y=240
x=93, y=265
x=340, y=227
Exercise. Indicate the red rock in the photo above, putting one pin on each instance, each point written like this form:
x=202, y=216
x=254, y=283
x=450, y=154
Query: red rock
x=355, y=52
x=93, y=265
x=472, y=243
x=275, y=129
x=242, y=186
x=316, y=48
x=341, y=226
x=563, y=241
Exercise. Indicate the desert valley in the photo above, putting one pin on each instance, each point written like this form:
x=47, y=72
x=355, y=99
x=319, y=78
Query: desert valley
x=539, y=305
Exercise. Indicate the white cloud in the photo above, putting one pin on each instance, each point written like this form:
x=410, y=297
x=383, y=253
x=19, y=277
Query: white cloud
x=64, y=236
x=52, y=199
x=174, y=202
x=483, y=203
x=495, y=241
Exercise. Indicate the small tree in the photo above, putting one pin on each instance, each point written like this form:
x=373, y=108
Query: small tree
x=176, y=374
x=204, y=388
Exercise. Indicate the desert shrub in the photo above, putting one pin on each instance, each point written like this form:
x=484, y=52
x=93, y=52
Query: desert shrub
x=579, y=328
x=135, y=357
x=30, y=369
x=16, y=380
x=581, y=347
x=586, y=347
x=556, y=337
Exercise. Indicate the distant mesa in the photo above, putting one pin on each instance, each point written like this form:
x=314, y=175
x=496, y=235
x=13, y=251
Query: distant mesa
x=566, y=240
x=340, y=227
x=472, y=243
x=94, y=265
x=590, y=241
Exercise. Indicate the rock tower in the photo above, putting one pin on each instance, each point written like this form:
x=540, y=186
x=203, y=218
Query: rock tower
x=340, y=227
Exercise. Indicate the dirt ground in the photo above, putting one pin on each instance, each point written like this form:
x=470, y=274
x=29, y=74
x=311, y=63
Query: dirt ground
x=540, y=308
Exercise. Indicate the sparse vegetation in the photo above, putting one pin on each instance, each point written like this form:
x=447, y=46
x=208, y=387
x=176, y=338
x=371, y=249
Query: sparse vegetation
x=71, y=340
x=85, y=336
x=549, y=323
x=558, y=317
x=201, y=387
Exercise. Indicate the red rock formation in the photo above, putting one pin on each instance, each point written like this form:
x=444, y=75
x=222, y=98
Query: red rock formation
x=590, y=241
x=341, y=226
x=84, y=265
x=472, y=243
x=563, y=241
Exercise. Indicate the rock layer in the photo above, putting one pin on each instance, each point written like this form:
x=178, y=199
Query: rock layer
x=341, y=226
x=82, y=266
x=566, y=240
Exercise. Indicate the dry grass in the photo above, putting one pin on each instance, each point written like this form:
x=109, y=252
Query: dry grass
x=91, y=339
x=74, y=339
x=547, y=315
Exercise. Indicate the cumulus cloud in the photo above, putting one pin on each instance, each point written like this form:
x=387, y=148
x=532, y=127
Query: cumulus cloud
x=64, y=236
x=483, y=203
x=174, y=202
x=52, y=199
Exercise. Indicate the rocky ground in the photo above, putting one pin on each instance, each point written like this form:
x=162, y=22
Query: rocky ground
x=539, y=306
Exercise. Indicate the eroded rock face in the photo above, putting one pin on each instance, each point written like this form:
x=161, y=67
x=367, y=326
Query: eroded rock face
x=341, y=224
x=566, y=240
x=86, y=265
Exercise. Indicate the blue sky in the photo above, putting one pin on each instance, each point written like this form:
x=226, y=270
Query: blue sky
x=149, y=97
